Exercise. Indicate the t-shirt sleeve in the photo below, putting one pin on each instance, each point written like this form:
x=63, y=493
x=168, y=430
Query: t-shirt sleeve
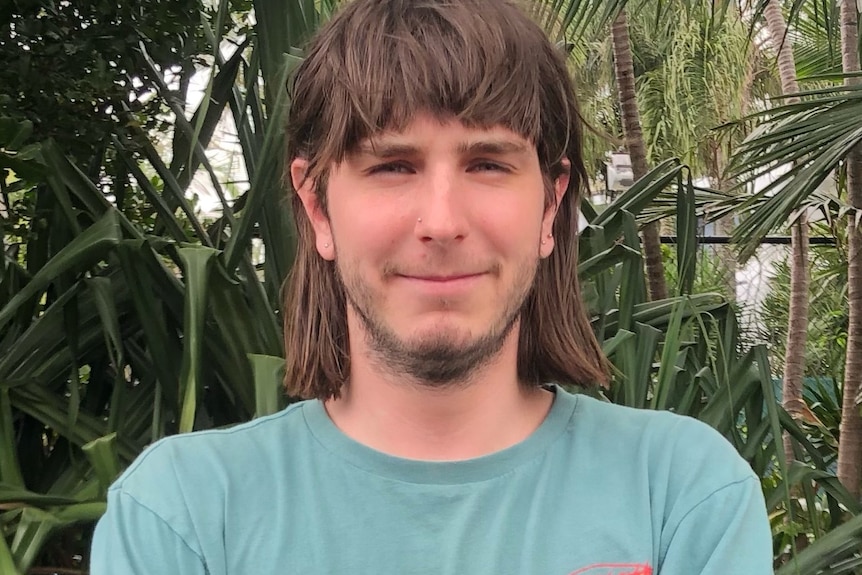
x=131, y=539
x=727, y=532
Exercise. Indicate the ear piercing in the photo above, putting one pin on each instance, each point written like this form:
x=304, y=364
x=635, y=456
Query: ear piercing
x=326, y=245
x=549, y=237
x=419, y=220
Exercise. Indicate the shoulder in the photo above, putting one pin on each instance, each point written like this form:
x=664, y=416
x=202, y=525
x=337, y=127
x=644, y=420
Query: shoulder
x=183, y=492
x=678, y=450
x=679, y=466
x=168, y=468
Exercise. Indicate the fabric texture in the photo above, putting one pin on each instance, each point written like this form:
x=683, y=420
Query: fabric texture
x=597, y=489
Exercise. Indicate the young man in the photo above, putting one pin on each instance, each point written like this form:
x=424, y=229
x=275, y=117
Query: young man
x=434, y=148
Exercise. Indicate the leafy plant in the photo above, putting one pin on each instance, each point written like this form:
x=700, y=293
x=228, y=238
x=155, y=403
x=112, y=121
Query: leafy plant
x=827, y=326
x=122, y=322
x=116, y=329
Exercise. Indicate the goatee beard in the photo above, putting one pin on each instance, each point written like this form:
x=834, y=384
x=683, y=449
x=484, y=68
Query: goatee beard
x=438, y=361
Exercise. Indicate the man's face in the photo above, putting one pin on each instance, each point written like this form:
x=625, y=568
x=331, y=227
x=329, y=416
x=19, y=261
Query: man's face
x=436, y=232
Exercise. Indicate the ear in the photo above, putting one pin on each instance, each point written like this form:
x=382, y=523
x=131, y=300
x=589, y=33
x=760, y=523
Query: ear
x=561, y=184
x=306, y=189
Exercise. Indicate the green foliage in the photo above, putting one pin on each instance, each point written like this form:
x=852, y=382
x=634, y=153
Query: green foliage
x=711, y=273
x=695, y=69
x=813, y=137
x=826, y=339
x=682, y=354
x=74, y=65
x=125, y=316
x=697, y=74
x=687, y=355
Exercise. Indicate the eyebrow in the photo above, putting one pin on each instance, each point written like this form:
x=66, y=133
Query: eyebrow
x=493, y=147
x=385, y=149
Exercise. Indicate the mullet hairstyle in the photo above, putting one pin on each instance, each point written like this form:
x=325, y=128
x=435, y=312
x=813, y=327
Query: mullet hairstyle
x=373, y=67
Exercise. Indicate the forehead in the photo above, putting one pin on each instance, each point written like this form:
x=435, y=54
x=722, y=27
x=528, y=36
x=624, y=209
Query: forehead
x=426, y=132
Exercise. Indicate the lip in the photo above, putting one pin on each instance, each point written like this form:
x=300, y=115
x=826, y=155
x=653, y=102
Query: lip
x=443, y=278
x=442, y=284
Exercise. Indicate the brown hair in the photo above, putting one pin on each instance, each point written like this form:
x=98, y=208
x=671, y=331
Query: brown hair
x=373, y=67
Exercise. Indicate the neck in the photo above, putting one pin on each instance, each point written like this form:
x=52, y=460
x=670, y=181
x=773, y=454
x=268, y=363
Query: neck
x=390, y=413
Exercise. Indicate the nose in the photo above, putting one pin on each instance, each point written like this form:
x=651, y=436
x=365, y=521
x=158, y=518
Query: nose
x=441, y=216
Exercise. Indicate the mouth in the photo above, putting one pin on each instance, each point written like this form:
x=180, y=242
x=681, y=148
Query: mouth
x=442, y=278
x=437, y=285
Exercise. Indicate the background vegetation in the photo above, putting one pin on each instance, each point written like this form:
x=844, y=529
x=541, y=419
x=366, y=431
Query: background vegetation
x=145, y=238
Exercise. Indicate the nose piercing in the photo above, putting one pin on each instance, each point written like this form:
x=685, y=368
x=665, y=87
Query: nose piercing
x=419, y=220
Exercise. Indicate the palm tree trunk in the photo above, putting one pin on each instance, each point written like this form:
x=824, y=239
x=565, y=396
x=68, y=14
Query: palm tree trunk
x=850, y=445
x=624, y=70
x=794, y=363
x=797, y=328
x=716, y=164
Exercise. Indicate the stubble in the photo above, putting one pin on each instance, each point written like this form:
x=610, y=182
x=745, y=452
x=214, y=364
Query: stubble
x=436, y=359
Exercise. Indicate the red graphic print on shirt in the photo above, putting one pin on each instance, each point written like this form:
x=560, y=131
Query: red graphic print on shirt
x=615, y=569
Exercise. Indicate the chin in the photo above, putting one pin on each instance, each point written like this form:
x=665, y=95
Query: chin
x=440, y=331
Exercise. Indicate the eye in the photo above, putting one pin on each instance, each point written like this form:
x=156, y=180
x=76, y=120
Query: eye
x=391, y=168
x=487, y=166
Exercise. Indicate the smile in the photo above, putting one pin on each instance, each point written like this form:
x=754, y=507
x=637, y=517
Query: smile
x=442, y=284
x=443, y=279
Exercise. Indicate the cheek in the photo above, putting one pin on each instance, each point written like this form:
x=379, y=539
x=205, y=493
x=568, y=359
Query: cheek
x=516, y=225
x=367, y=230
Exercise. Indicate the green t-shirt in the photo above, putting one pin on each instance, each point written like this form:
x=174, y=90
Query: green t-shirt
x=597, y=489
